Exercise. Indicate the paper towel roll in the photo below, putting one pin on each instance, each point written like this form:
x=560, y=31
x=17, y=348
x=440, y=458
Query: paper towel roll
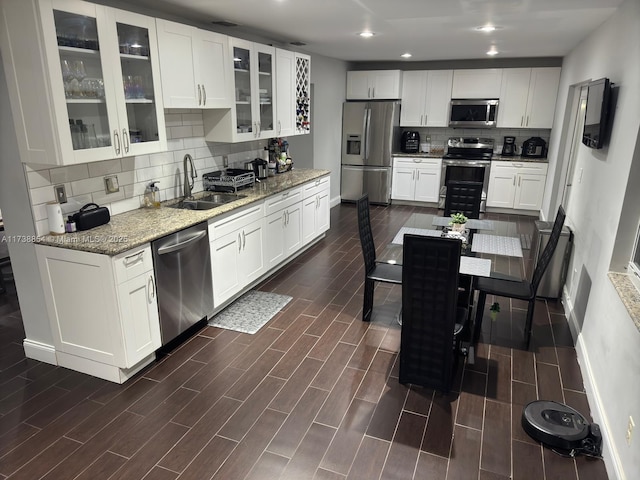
x=54, y=215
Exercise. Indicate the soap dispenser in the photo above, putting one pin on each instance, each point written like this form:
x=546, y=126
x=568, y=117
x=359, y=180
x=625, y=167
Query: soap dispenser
x=152, y=195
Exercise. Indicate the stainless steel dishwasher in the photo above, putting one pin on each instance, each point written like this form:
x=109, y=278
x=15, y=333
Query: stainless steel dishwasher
x=182, y=263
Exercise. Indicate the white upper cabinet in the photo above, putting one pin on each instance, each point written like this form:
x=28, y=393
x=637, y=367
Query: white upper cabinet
x=85, y=83
x=195, y=67
x=426, y=98
x=528, y=97
x=374, y=85
x=253, y=113
x=477, y=83
x=285, y=93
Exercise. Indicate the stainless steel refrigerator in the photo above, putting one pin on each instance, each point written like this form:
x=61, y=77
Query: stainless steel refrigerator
x=370, y=134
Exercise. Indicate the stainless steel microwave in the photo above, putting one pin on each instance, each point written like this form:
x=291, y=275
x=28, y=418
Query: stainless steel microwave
x=473, y=113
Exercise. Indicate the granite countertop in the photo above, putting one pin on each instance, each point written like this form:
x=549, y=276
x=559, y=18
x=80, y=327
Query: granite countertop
x=518, y=158
x=419, y=155
x=137, y=227
x=628, y=294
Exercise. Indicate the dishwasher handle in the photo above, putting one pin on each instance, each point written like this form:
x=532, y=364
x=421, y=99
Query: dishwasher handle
x=182, y=245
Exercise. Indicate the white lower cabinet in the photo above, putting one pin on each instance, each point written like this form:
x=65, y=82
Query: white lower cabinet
x=103, y=310
x=283, y=226
x=237, y=257
x=516, y=185
x=315, y=209
x=416, y=179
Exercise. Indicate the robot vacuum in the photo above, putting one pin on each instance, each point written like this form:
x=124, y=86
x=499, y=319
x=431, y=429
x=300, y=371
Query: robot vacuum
x=560, y=427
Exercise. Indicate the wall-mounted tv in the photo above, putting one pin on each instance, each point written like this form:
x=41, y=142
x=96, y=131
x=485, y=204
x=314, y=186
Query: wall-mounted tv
x=597, y=115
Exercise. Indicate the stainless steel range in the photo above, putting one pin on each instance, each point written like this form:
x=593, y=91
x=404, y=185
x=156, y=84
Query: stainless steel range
x=467, y=159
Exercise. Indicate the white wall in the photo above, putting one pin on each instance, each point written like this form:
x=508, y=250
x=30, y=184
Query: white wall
x=329, y=77
x=608, y=341
x=14, y=198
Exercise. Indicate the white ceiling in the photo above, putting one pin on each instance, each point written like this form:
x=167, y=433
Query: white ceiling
x=428, y=29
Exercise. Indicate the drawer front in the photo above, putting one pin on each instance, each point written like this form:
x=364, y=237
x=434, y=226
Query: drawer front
x=132, y=263
x=282, y=200
x=235, y=221
x=416, y=162
x=313, y=188
x=525, y=167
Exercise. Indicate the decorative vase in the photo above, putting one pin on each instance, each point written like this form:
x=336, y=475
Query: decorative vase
x=458, y=227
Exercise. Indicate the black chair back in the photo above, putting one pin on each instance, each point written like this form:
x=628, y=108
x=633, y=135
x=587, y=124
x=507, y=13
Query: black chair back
x=366, y=236
x=429, y=306
x=463, y=197
x=545, y=258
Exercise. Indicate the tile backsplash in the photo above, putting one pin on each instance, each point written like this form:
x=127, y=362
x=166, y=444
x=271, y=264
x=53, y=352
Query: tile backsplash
x=84, y=183
x=440, y=135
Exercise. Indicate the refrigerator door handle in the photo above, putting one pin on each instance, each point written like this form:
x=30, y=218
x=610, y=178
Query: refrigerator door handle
x=364, y=134
x=367, y=132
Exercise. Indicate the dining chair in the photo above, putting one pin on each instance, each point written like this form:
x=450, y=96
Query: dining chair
x=432, y=321
x=518, y=289
x=463, y=197
x=373, y=272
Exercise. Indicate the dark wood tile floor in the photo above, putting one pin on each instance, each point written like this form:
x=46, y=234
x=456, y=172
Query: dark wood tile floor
x=314, y=394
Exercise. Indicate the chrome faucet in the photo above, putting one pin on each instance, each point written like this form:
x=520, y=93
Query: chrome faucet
x=189, y=178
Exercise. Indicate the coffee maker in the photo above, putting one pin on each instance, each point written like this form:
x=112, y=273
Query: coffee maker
x=410, y=142
x=509, y=147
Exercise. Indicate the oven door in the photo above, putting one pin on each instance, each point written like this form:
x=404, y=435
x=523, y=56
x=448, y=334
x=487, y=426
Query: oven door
x=464, y=170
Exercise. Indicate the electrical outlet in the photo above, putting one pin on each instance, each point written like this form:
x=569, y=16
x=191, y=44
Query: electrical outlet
x=61, y=195
x=111, y=184
x=630, y=427
x=225, y=161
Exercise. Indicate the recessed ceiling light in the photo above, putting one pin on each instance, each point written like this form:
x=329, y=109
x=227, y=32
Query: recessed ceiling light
x=406, y=55
x=492, y=51
x=366, y=34
x=488, y=28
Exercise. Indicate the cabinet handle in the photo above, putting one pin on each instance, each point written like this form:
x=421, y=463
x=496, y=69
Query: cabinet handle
x=117, y=141
x=151, y=289
x=133, y=259
x=255, y=129
x=413, y=175
x=519, y=180
x=418, y=176
x=279, y=127
x=259, y=128
x=239, y=242
x=199, y=95
x=527, y=120
x=317, y=201
x=514, y=181
x=369, y=93
x=125, y=140
x=204, y=95
x=244, y=239
x=421, y=119
x=522, y=120
x=425, y=119
x=374, y=92
x=284, y=218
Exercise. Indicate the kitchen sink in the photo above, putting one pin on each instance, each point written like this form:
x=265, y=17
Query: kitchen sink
x=207, y=202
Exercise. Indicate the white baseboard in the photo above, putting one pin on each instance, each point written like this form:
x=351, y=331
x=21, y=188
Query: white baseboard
x=334, y=201
x=609, y=452
x=40, y=351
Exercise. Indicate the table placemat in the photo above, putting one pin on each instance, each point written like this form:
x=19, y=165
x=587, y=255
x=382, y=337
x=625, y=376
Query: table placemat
x=498, y=245
x=480, y=267
x=399, y=238
x=474, y=223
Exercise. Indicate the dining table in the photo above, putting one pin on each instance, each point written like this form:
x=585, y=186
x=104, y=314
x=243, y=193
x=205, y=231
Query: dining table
x=490, y=248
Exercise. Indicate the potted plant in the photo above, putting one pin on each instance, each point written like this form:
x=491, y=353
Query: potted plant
x=494, y=310
x=458, y=222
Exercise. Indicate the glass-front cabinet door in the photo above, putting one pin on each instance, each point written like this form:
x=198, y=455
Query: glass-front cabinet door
x=140, y=115
x=82, y=82
x=104, y=71
x=246, y=126
x=266, y=88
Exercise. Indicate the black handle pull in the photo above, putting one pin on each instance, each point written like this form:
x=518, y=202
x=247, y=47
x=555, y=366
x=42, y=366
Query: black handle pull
x=86, y=207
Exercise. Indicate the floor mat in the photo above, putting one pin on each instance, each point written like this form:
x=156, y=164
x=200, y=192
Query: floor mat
x=250, y=312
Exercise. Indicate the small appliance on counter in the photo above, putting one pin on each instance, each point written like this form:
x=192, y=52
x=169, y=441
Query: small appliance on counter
x=260, y=168
x=534, y=147
x=410, y=142
x=509, y=147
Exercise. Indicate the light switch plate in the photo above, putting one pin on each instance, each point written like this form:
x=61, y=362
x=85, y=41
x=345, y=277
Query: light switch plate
x=111, y=184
